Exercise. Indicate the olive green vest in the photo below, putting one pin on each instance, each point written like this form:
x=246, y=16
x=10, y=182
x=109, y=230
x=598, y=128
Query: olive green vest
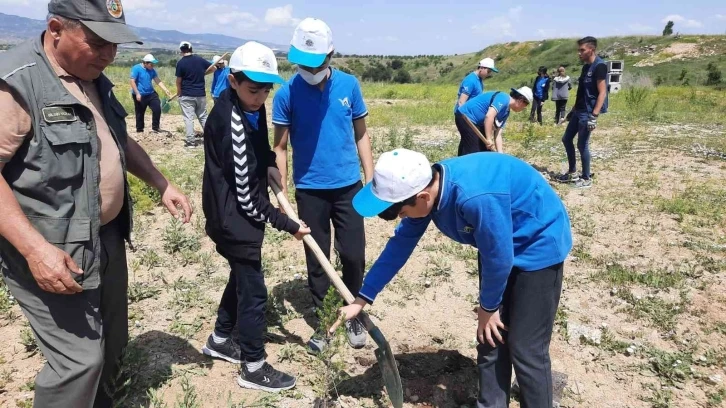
x=55, y=173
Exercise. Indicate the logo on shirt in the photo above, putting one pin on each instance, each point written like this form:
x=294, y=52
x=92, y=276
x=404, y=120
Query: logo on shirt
x=115, y=9
x=468, y=230
x=345, y=102
x=55, y=114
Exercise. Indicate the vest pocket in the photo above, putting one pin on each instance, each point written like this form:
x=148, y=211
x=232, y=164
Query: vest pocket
x=72, y=235
x=68, y=144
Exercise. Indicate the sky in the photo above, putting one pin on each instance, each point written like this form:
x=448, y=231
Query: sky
x=416, y=27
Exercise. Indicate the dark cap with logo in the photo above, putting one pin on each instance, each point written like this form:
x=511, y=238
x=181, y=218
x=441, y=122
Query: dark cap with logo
x=104, y=17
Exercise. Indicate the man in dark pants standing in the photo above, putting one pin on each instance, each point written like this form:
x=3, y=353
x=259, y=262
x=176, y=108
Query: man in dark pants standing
x=64, y=207
x=505, y=209
x=143, y=76
x=322, y=111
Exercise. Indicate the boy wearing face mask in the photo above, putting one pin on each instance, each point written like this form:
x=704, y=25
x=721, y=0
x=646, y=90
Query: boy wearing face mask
x=237, y=163
x=322, y=113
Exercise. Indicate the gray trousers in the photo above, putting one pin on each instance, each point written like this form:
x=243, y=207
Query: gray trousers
x=528, y=308
x=83, y=335
x=192, y=107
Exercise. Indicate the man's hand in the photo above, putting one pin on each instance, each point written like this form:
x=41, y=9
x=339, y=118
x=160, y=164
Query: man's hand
x=138, y=97
x=302, y=231
x=489, y=324
x=348, y=313
x=591, y=122
x=172, y=198
x=568, y=116
x=49, y=266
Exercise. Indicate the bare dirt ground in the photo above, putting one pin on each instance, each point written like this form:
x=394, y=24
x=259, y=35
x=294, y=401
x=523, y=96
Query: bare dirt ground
x=642, y=320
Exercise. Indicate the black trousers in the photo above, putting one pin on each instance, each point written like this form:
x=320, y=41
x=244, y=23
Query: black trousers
x=560, y=106
x=317, y=208
x=536, y=108
x=244, y=302
x=470, y=141
x=147, y=101
x=528, y=309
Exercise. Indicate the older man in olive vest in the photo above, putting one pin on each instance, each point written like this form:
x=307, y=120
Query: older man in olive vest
x=65, y=209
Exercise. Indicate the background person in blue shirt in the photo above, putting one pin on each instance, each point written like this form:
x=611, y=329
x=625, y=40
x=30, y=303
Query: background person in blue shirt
x=322, y=112
x=143, y=76
x=485, y=115
x=502, y=206
x=590, y=102
x=221, y=73
x=473, y=83
x=190, y=88
x=541, y=90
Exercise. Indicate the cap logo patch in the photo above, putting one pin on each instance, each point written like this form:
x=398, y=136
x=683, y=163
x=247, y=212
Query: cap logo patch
x=115, y=9
x=309, y=43
x=265, y=63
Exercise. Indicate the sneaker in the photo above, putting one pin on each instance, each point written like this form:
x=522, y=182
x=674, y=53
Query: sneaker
x=265, y=379
x=191, y=145
x=583, y=183
x=568, y=177
x=357, y=334
x=317, y=345
x=229, y=350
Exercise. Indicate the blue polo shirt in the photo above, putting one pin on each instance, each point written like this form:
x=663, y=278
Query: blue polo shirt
x=220, y=82
x=143, y=78
x=324, y=152
x=476, y=109
x=471, y=85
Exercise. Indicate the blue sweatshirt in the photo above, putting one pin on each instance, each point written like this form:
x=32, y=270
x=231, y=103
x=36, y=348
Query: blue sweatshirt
x=496, y=203
x=220, y=82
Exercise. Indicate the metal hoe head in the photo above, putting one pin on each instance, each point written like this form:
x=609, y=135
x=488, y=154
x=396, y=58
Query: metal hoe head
x=388, y=366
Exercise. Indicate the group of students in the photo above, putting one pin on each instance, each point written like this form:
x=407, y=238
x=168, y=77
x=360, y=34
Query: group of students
x=481, y=116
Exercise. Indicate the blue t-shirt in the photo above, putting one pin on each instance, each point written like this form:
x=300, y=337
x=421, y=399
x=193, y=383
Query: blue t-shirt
x=191, y=70
x=496, y=203
x=476, y=109
x=324, y=151
x=539, y=86
x=143, y=78
x=471, y=85
x=220, y=82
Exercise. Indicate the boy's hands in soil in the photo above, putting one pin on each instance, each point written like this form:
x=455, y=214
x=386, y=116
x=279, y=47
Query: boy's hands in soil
x=304, y=230
x=489, y=324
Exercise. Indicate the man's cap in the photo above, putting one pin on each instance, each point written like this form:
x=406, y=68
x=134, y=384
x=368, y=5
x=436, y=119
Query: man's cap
x=185, y=44
x=311, y=42
x=526, y=92
x=399, y=174
x=488, y=63
x=150, y=58
x=256, y=61
x=104, y=17
x=216, y=59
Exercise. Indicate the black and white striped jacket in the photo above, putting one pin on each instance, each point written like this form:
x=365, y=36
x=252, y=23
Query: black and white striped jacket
x=234, y=189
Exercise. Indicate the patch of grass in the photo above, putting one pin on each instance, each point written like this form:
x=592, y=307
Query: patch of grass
x=189, y=397
x=150, y=259
x=716, y=398
x=176, y=239
x=621, y=275
x=658, y=312
x=660, y=397
x=5, y=301
x=5, y=377
x=704, y=201
x=139, y=291
x=187, y=295
x=144, y=197
x=185, y=330
x=670, y=367
x=26, y=403
x=121, y=385
x=208, y=266
x=28, y=386
x=438, y=268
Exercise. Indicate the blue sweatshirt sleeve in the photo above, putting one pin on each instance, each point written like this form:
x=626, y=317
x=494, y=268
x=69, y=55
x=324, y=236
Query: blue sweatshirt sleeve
x=491, y=216
x=394, y=256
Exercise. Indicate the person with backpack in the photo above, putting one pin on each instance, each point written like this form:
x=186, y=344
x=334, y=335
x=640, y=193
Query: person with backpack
x=590, y=102
x=237, y=164
x=541, y=88
x=484, y=116
x=561, y=93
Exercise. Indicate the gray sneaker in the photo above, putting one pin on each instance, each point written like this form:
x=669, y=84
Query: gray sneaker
x=583, y=183
x=357, y=334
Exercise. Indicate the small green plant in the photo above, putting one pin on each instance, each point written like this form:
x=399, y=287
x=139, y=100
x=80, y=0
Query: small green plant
x=184, y=329
x=139, y=291
x=208, y=266
x=660, y=397
x=27, y=339
x=660, y=313
x=635, y=96
x=176, y=239
x=716, y=398
x=150, y=259
x=144, y=197
x=714, y=74
x=329, y=369
x=26, y=403
x=5, y=377
x=187, y=294
x=5, y=302
x=121, y=385
x=155, y=398
x=189, y=398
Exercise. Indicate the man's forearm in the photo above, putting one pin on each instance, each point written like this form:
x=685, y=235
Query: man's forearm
x=134, y=88
x=140, y=165
x=366, y=156
x=498, y=141
x=281, y=161
x=598, y=104
x=14, y=225
x=178, y=86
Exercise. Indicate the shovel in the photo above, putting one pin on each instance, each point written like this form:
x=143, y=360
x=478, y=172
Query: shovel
x=384, y=355
x=165, y=104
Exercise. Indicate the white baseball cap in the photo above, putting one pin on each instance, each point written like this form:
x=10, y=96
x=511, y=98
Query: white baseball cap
x=185, y=44
x=216, y=59
x=150, y=58
x=399, y=174
x=526, y=92
x=311, y=42
x=488, y=63
x=257, y=61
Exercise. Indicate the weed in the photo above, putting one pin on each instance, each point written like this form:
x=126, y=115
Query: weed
x=620, y=275
x=5, y=377
x=5, y=298
x=716, y=399
x=184, y=329
x=208, y=266
x=635, y=96
x=292, y=352
x=155, y=398
x=27, y=339
x=189, y=257
x=144, y=197
x=329, y=370
x=660, y=313
x=139, y=291
x=28, y=386
x=660, y=397
x=267, y=401
x=187, y=295
x=561, y=322
x=438, y=267
x=150, y=259
x=189, y=398
x=176, y=239
x=26, y=403
x=121, y=385
x=703, y=201
x=581, y=252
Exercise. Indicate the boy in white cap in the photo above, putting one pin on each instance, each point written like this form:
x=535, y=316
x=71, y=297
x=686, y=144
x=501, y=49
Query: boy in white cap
x=143, y=76
x=322, y=112
x=502, y=206
x=485, y=116
x=190, y=88
x=238, y=162
x=473, y=83
x=221, y=72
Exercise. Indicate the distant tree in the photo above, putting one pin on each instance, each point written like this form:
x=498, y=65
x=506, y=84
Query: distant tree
x=402, y=77
x=172, y=62
x=714, y=74
x=397, y=64
x=668, y=30
x=684, y=72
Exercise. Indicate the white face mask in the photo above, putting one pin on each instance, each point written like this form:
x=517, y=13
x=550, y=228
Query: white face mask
x=313, y=79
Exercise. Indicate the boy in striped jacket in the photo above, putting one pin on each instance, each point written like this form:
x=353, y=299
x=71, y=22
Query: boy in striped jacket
x=238, y=162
